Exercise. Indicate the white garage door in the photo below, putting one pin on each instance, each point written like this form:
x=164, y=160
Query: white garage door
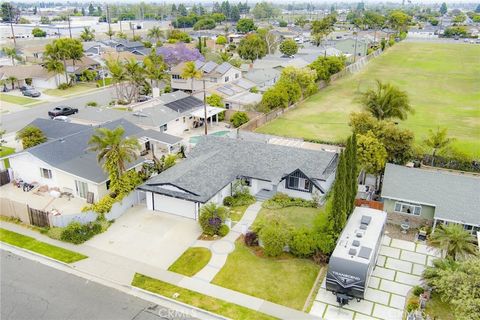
x=175, y=206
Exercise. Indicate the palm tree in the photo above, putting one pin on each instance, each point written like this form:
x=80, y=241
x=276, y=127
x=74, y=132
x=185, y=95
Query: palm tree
x=11, y=53
x=117, y=72
x=454, y=241
x=190, y=71
x=122, y=35
x=154, y=67
x=87, y=34
x=136, y=77
x=430, y=274
x=437, y=141
x=12, y=80
x=225, y=56
x=386, y=101
x=52, y=64
x=114, y=151
x=110, y=33
x=155, y=33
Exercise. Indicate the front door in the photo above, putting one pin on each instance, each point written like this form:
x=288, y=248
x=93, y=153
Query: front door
x=82, y=189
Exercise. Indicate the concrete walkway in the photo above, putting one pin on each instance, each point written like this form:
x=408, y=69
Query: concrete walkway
x=120, y=271
x=221, y=248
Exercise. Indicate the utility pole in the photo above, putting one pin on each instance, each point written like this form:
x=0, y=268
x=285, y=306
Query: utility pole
x=69, y=26
x=355, y=52
x=108, y=20
x=11, y=25
x=205, y=106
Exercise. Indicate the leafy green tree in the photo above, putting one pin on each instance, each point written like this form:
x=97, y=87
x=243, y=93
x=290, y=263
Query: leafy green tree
x=155, y=68
x=454, y=241
x=274, y=236
x=431, y=273
x=39, y=33
x=443, y=8
x=215, y=100
x=437, y=140
x=293, y=89
x=304, y=77
x=338, y=213
x=325, y=67
x=289, y=47
x=239, y=118
x=252, y=47
x=386, y=101
x=54, y=65
x=31, y=136
x=65, y=49
x=371, y=153
x=190, y=71
x=271, y=40
x=11, y=53
x=114, y=151
x=246, y=25
x=264, y=10
x=399, y=20
x=87, y=34
x=204, y=24
x=45, y=20
x=274, y=98
x=221, y=40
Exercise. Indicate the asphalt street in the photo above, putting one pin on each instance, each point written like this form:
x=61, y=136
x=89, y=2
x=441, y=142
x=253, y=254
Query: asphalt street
x=33, y=291
x=17, y=120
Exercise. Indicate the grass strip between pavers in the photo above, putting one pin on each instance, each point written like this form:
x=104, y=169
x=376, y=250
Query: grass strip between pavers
x=197, y=299
x=191, y=261
x=29, y=243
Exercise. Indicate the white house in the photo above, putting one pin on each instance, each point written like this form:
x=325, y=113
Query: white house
x=35, y=74
x=213, y=74
x=216, y=163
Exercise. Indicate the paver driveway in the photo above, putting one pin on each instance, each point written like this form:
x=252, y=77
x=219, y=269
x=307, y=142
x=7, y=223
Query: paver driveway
x=150, y=237
x=399, y=266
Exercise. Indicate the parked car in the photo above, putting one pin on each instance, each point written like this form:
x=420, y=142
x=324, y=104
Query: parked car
x=62, y=111
x=26, y=87
x=143, y=98
x=32, y=93
x=63, y=118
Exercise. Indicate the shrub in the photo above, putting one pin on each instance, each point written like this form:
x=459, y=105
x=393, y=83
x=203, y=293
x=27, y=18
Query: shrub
x=38, y=33
x=274, y=237
x=417, y=291
x=92, y=104
x=77, y=233
x=412, y=306
x=221, y=40
x=63, y=86
x=228, y=201
x=212, y=217
x=282, y=200
x=223, y=230
x=251, y=239
x=55, y=233
x=303, y=243
x=239, y=118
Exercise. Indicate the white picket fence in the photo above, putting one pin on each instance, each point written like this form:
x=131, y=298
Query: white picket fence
x=117, y=210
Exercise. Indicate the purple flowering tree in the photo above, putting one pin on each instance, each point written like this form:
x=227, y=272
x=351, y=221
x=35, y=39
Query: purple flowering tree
x=173, y=55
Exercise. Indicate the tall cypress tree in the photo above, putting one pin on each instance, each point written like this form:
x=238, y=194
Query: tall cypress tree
x=348, y=176
x=353, y=184
x=338, y=213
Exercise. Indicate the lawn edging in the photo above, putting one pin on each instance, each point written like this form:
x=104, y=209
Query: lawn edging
x=34, y=246
x=233, y=310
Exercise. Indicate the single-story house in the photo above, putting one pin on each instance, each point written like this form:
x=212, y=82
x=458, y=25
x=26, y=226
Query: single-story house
x=431, y=196
x=262, y=78
x=39, y=76
x=92, y=48
x=124, y=45
x=64, y=162
x=236, y=95
x=355, y=46
x=216, y=163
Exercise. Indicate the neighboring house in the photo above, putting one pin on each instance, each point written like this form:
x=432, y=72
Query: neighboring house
x=426, y=196
x=64, y=162
x=39, y=76
x=354, y=46
x=92, y=48
x=426, y=33
x=216, y=163
x=85, y=63
x=262, y=78
x=236, y=95
x=121, y=45
x=213, y=74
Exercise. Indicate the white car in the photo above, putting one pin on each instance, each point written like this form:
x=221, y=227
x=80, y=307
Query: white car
x=63, y=118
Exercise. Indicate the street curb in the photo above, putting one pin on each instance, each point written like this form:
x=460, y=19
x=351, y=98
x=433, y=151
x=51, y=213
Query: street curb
x=112, y=284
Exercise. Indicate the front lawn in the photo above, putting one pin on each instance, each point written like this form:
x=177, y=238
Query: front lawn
x=78, y=88
x=191, y=261
x=17, y=99
x=236, y=213
x=29, y=243
x=196, y=299
x=295, y=216
x=285, y=280
x=5, y=151
x=437, y=309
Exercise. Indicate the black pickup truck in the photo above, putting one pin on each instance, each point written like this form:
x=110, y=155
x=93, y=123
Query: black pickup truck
x=62, y=111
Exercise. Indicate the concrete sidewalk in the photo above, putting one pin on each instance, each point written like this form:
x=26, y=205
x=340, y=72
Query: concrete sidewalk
x=221, y=248
x=121, y=270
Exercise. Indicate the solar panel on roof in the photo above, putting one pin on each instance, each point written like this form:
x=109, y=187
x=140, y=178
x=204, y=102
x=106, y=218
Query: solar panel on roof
x=225, y=90
x=185, y=104
x=209, y=66
x=364, y=252
x=224, y=67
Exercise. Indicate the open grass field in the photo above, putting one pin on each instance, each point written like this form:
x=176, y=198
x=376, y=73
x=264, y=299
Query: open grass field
x=442, y=80
x=43, y=248
x=17, y=99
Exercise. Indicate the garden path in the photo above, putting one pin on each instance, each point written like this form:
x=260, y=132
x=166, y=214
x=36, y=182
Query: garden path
x=221, y=248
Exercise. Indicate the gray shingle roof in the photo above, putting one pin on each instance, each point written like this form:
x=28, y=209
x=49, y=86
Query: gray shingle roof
x=217, y=161
x=455, y=196
x=161, y=136
x=54, y=129
x=70, y=153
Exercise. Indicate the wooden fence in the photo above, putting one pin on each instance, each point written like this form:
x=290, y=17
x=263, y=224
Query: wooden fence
x=369, y=203
x=38, y=218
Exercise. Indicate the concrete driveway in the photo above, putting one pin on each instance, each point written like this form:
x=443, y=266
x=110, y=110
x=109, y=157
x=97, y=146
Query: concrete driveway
x=150, y=237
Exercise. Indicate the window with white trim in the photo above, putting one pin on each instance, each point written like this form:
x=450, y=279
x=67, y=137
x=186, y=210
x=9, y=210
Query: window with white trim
x=46, y=173
x=297, y=183
x=176, y=76
x=408, y=208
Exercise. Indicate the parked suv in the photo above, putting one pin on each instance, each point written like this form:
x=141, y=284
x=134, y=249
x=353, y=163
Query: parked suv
x=62, y=111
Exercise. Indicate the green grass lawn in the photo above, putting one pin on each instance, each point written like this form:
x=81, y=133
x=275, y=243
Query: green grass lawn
x=108, y=81
x=196, y=299
x=17, y=99
x=294, y=216
x=437, y=309
x=191, y=261
x=236, y=213
x=286, y=280
x=442, y=81
x=78, y=88
x=43, y=248
x=5, y=151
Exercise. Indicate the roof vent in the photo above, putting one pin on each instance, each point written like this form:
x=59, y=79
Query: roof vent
x=356, y=243
x=352, y=252
x=366, y=220
x=363, y=226
x=359, y=234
